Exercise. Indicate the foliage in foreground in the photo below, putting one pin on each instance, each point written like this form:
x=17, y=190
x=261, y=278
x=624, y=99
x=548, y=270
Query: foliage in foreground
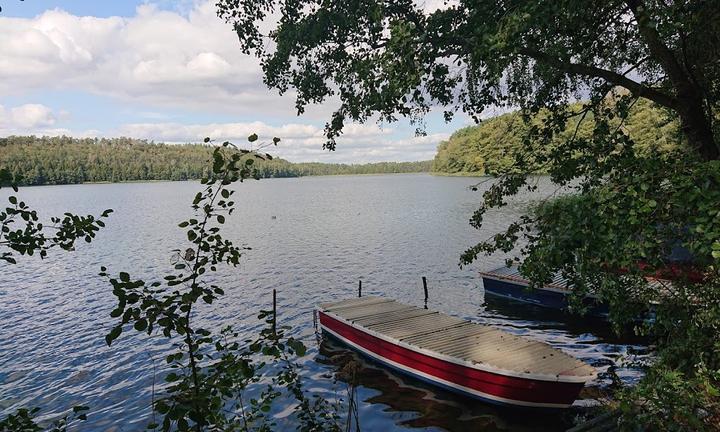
x=207, y=388
x=65, y=160
x=670, y=400
x=388, y=59
x=609, y=240
x=211, y=374
x=23, y=420
x=22, y=232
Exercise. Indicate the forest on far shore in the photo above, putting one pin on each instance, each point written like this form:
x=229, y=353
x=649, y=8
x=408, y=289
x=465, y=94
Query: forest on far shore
x=489, y=147
x=67, y=160
x=485, y=149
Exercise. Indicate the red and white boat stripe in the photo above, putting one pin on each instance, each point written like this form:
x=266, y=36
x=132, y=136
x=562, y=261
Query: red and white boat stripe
x=475, y=380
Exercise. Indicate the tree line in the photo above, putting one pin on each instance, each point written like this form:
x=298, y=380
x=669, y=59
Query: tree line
x=490, y=147
x=67, y=160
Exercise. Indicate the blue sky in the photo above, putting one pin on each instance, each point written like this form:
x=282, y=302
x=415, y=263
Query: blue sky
x=164, y=71
x=98, y=8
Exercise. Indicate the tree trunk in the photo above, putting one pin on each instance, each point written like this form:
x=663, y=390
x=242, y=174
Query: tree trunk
x=695, y=124
x=694, y=121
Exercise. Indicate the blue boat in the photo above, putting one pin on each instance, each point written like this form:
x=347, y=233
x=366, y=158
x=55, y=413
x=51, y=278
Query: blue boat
x=507, y=282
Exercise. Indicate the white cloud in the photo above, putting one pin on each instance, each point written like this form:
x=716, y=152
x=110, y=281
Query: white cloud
x=37, y=119
x=179, y=133
x=26, y=117
x=300, y=142
x=156, y=57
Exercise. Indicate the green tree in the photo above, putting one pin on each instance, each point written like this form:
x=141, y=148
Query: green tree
x=489, y=148
x=393, y=59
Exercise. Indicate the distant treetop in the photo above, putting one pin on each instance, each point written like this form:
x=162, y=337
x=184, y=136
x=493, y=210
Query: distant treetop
x=66, y=160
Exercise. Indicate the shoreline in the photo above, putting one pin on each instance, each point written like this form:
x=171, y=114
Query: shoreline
x=197, y=179
x=458, y=174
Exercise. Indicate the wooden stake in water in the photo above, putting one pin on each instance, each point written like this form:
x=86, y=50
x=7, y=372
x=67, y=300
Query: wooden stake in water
x=425, y=288
x=274, y=322
x=360, y=288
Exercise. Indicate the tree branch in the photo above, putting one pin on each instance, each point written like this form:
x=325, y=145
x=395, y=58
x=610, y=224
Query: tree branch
x=664, y=55
x=615, y=78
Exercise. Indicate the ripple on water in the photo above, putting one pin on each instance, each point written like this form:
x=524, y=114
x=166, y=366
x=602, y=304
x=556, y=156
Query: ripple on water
x=327, y=233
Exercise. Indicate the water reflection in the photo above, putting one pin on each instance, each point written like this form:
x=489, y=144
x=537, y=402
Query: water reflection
x=547, y=318
x=434, y=408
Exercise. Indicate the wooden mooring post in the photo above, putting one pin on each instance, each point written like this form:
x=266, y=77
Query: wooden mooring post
x=426, y=291
x=360, y=288
x=274, y=319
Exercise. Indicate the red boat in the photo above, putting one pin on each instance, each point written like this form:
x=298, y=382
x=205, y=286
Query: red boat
x=476, y=360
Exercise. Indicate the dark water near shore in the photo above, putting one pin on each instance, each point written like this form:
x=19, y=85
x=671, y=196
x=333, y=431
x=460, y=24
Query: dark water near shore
x=327, y=232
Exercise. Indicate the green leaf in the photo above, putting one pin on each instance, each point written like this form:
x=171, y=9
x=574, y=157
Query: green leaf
x=252, y=138
x=124, y=277
x=297, y=346
x=114, y=334
x=162, y=407
x=141, y=324
x=221, y=219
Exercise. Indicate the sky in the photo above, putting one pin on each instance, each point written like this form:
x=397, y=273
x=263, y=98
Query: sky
x=168, y=71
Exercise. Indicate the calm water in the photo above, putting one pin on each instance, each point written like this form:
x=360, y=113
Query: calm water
x=311, y=239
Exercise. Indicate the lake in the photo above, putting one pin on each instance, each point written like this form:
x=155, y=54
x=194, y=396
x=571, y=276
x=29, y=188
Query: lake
x=312, y=239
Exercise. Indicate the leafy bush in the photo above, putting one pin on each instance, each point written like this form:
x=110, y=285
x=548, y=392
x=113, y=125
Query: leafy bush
x=610, y=240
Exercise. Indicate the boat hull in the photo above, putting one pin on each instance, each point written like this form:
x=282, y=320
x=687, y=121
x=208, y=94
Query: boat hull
x=538, y=296
x=493, y=387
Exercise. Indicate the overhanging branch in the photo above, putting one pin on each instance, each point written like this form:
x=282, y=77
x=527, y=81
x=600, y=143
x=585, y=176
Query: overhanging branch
x=615, y=78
